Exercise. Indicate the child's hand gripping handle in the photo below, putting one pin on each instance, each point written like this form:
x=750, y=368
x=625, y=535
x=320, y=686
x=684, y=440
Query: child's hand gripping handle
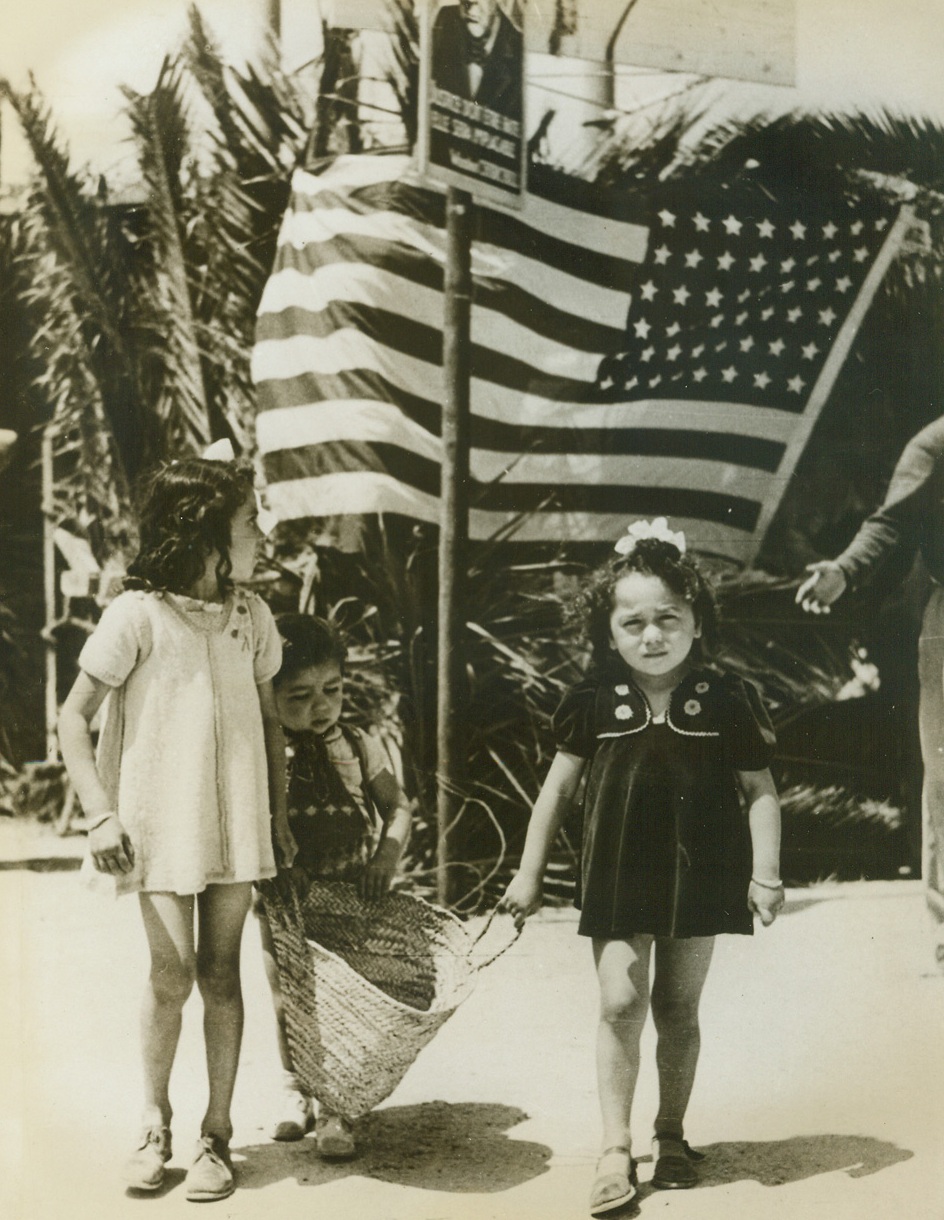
x=522, y=898
x=766, y=899
x=482, y=962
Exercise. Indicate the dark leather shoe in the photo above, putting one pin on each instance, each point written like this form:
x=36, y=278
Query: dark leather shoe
x=674, y=1169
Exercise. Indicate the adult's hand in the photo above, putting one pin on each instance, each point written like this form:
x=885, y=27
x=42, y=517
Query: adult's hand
x=825, y=585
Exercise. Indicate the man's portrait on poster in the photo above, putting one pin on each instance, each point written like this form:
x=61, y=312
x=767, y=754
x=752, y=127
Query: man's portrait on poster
x=477, y=55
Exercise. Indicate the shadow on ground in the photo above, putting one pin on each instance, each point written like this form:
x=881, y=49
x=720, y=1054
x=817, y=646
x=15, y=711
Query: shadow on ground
x=793, y=906
x=44, y=864
x=433, y=1146
x=779, y=1162
x=172, y=1179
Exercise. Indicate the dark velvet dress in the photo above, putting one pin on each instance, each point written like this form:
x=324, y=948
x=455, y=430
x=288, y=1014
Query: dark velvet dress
x=666, y=842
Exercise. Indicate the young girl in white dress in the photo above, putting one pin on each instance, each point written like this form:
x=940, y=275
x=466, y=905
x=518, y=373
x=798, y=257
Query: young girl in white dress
x=191, y=761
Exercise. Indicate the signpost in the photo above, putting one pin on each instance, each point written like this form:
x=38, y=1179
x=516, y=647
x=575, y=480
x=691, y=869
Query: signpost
x=453, y=528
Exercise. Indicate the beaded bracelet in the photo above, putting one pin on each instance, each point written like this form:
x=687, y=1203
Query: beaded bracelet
x=768, y=885
x=99, y=821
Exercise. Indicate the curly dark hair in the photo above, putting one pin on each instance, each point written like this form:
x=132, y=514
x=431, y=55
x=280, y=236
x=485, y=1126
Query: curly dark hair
x=186, y=510
x=591, y=609
x=307, y=640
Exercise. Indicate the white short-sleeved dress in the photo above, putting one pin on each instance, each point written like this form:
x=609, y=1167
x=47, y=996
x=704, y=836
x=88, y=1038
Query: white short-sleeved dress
x=182, y=753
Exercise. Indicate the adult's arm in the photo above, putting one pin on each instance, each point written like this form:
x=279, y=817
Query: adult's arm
x=894, y=530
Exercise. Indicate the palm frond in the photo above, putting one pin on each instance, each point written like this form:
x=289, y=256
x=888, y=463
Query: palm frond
x=72, y=216
x=160, y=127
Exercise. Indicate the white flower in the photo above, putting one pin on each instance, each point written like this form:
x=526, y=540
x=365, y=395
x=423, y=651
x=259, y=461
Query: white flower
x=622, y=689
x=659, y=528
x=623, y=712
x=701, y=688
x=692, y=707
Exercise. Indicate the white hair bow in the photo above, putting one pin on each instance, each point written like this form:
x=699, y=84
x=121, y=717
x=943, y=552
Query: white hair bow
x=657, y=528
x=222, y=451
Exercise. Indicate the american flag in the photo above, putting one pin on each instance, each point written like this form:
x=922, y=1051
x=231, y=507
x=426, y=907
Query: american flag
x=619, y=369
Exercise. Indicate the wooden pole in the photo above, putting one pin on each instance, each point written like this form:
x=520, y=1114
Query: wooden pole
x=453, y=527
x=49, y=595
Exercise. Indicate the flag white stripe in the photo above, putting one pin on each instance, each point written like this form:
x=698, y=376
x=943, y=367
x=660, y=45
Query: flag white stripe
x=594, y=469
x=353, y=172
x=347, y=419
x=488, y=261
x=341, y=352
x=764, y=423
x=374, y=492
x=705, y=536
x=361, y=419
x=301, y=229
x=342, y=492
x=566, y=293
x=603, y=235
x=369, y=422
x=357, y=284
x=348, y=349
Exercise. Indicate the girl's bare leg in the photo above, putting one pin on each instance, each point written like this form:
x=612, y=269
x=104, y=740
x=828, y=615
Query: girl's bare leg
x=681, y=967
x=623, y=974
x=168, y=925
x=221, y=914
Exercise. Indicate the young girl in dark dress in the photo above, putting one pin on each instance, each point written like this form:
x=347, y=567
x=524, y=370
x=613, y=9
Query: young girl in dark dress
x=672, y=753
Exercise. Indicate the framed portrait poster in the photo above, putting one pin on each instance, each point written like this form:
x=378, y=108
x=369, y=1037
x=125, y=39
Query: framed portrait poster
x=472, y=99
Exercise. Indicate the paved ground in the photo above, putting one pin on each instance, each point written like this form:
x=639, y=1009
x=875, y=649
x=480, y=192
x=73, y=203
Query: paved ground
x=820, y=1091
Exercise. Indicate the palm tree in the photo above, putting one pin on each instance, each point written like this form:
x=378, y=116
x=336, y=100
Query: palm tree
x=144, y=311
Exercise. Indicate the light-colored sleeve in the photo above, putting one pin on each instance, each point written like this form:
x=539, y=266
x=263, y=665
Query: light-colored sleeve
x=376, y=758
x=120, y=642
x=267, y=646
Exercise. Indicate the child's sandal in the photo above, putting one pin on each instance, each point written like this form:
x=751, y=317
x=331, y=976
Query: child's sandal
x=616, y=1188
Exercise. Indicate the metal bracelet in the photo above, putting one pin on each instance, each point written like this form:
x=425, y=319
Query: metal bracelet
x=99, y=821
x=768, y=885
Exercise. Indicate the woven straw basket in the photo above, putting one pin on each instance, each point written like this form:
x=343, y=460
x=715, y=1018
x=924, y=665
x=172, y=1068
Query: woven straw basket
x=365, y=985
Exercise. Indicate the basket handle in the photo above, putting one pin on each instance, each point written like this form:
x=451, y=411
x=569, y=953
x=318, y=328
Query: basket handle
x=481, y=965
x=282, y=901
